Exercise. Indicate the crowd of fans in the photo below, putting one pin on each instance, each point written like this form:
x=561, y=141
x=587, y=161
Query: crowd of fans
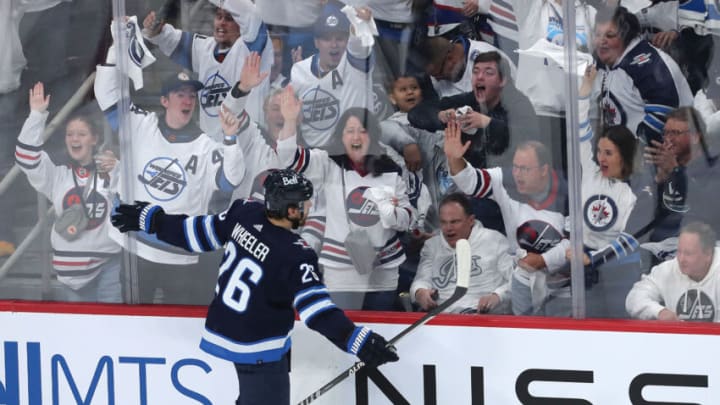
x=419, y=123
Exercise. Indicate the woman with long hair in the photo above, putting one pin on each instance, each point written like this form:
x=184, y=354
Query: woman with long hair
x=85, y=260
x=365, y=204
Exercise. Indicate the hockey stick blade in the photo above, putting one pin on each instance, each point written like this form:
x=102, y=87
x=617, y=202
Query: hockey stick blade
x=463, y=261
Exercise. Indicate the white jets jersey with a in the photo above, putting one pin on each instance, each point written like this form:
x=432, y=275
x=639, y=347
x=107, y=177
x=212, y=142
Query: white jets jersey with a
x=326, y=97
x=79, y=261
x=178, y=175
x=198, y=53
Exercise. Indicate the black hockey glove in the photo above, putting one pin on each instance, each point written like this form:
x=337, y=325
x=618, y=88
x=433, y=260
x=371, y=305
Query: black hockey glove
x=372, y=349
x=141, y=216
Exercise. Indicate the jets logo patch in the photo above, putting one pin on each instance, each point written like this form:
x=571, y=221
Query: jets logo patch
x=446, y=275
x=164, y=178
x=96, y=206
x=696, y=306
x=612, y=111
x=537, y=236
x=321, y=110
x=361, y=211
x=600, y=212
x=212, y=95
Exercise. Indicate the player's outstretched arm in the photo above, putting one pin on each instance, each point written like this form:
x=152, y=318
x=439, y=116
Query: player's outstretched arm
x=195, y=234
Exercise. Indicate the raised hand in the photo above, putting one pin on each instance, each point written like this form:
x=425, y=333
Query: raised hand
x=363, y=13
x=588, y=80
x=150, y=29
x=663, y=157
x=38, y=101
x=290, y=105
x=230, y=124
x=454, y=148
x=251, y=76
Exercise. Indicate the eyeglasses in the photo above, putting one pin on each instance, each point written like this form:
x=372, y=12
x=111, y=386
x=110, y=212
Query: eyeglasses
x=524, y=169
x=674, y=132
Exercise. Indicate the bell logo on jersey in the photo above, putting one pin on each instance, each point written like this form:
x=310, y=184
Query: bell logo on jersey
x=95, y=205
x=164, y=178
x=696, y=306
x=600, y=212
x=321, y=109
x=537, y=236
x=212, y=95
x=361, y=211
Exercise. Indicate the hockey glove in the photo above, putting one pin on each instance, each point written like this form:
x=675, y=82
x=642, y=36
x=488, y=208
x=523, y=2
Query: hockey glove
x=141, y=216
x=371, y=348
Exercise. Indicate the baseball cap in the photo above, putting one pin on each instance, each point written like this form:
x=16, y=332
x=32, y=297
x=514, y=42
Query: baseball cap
x=178, y=80
x=331, y=20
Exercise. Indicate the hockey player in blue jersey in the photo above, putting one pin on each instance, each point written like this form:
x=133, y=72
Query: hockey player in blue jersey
x=267, y=273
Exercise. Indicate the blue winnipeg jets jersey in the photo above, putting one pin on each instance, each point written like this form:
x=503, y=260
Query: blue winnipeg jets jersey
x=267, y=272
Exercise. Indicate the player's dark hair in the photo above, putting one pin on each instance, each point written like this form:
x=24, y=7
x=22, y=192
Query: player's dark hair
x=459, y=198
x=493, y=56
x=696, y=124
x=626, y=22
x=626, y=143
x=705, y=233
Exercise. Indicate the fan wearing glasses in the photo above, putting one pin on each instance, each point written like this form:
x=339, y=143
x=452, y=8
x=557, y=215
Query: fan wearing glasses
x=532, y=198
x=687, y=173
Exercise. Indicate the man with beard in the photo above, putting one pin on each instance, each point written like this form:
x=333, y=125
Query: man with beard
x=687, y=174
x=267, y=273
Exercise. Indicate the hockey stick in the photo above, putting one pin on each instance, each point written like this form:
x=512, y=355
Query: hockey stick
x=463, y=260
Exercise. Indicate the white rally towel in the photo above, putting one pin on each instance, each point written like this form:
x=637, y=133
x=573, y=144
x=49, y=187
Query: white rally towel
x=546, y=49
x=365, y=30
x=138, y=55
x=634, y=6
